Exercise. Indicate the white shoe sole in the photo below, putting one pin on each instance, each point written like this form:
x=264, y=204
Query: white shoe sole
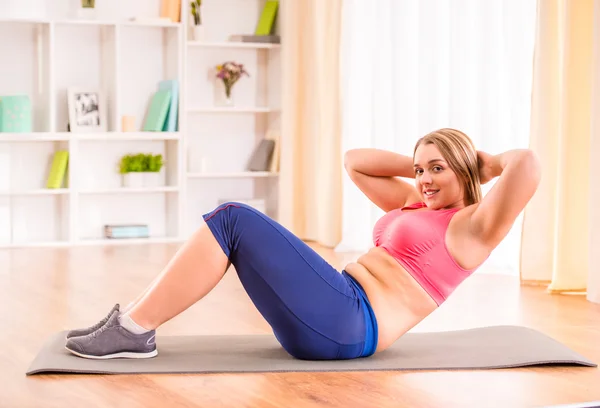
x=124, y=354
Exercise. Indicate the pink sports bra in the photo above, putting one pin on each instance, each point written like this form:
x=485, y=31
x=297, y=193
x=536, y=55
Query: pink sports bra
x=416, y=239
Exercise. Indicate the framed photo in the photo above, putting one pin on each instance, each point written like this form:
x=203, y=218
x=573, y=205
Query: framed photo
x=87, y=110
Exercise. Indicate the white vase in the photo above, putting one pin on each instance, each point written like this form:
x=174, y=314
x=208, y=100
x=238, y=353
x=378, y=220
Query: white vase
x=133, y=180
x=221, y=97
x=79, y=12
x=144, y=179
x=87, y=13
x=154, y=179
x=198, y=33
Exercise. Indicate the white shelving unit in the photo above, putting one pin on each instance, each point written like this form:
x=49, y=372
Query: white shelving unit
x=231, y=44
x=204, y=160
x=220, y=140
x=241, y=174
x=235, y=109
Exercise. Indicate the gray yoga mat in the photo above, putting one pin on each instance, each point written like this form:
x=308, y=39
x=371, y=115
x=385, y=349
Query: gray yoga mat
x=479, y=348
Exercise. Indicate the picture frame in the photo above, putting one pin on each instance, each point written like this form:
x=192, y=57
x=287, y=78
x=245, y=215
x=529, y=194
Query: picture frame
x=87, y=110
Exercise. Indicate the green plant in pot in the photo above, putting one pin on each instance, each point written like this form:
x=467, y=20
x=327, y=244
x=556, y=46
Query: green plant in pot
x=195, y=10
x=197, y=28
x=86, y=10
x=155, y=163
x=142, y=170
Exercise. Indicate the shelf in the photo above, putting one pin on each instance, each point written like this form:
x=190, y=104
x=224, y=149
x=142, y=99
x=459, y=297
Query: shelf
x=41, y=191
x=123, y=23
x=242, y=174
x=149, y=24
x=119, y=136
x=108, y=136
x=34, y=136
x=126, y=190
x=23, y=21
x=234, y=109
x=232, y=44
x=84, y=22
x=129, y=241
x=36, y=244
x=83, y=242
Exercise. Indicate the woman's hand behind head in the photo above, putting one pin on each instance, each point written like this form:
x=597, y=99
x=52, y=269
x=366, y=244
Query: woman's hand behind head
x=487, y=167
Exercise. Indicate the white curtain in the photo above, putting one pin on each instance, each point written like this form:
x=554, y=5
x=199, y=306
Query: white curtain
x=409, y=67
x=593, y=285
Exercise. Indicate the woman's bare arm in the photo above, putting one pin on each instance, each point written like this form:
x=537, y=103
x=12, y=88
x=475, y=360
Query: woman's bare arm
x=375, y=172
x=520, y=172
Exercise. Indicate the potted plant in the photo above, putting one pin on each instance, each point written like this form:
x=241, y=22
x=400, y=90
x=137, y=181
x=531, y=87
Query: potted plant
x=228, y=74
x=198, y=28
x=141, y=170
x=154, y=177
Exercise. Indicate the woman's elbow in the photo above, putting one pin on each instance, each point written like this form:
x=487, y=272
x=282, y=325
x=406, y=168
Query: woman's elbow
x=532, y=165
x=349, y=159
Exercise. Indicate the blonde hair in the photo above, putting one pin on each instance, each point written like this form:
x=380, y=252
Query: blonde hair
x=459, y=152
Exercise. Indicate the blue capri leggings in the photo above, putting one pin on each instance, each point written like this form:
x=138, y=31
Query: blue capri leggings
x=316, y=312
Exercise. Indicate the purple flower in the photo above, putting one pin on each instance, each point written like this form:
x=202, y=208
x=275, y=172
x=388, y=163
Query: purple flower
x=230, y=72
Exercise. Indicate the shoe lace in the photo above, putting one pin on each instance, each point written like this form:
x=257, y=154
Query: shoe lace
x=100, y=330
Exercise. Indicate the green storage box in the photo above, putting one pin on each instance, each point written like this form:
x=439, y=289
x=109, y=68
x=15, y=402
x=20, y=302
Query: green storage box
x=15, y=114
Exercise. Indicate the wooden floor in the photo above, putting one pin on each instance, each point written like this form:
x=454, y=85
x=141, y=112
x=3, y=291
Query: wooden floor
x=46, y=290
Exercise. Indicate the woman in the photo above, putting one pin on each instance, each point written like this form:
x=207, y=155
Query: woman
x=433, y=236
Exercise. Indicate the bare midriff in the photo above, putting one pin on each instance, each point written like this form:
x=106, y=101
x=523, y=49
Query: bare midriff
x=397, y=299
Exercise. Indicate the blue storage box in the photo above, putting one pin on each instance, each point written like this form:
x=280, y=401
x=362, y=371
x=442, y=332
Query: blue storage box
x=15, y=114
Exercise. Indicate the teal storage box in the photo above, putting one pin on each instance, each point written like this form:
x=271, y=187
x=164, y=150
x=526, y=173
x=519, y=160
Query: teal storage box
x=15, y=114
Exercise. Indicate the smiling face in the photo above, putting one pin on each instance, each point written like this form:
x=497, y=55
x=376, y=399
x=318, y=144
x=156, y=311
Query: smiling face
x=435, y=180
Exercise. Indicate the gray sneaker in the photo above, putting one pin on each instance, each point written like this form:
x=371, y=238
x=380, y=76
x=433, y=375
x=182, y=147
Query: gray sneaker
x=113, y=341
x=91, y=329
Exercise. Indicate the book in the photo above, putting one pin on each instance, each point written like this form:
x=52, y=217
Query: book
x=270, y=39
x=58, y=169
x=267, y=18
x=171, y=123
x=274, y=135
x=121, y=231
x=261, y=157
x=157, y=112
